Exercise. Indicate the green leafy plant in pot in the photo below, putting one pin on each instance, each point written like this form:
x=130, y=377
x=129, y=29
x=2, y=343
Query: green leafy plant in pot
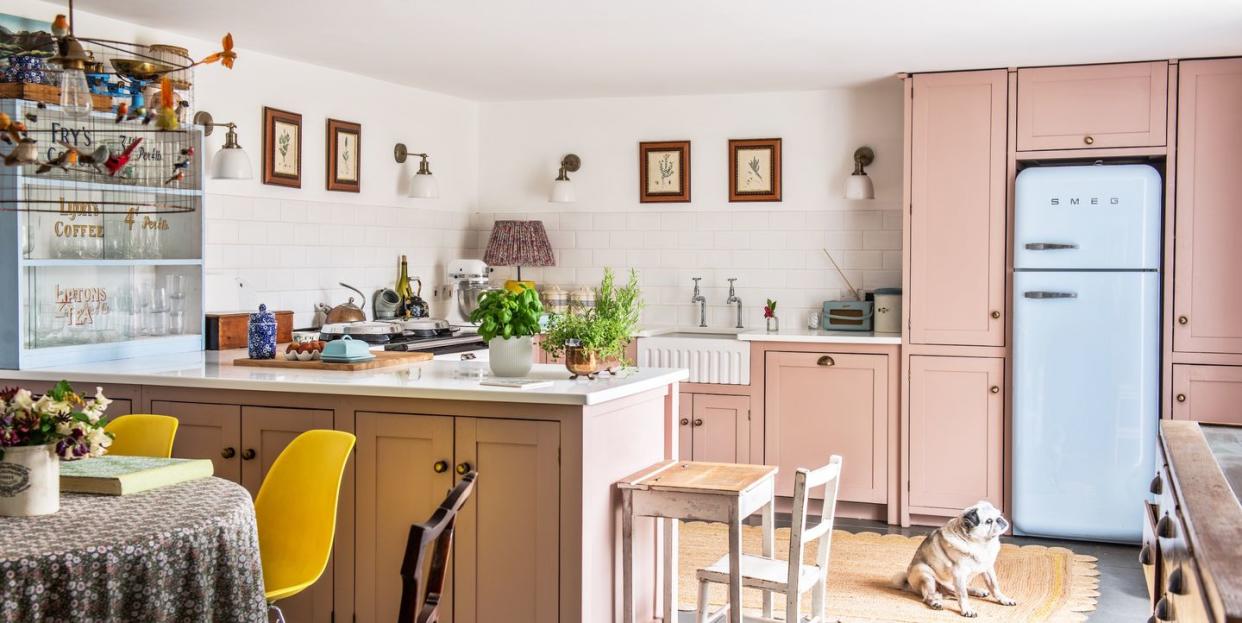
x=508, y=320
x=596, y=338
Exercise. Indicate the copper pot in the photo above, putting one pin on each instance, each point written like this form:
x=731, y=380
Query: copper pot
x=581, y=362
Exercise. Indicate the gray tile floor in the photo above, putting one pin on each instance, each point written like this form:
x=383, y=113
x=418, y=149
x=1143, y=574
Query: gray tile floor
x=1123, y=592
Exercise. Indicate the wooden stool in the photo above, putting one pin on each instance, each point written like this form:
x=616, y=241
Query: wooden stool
x=674, y=490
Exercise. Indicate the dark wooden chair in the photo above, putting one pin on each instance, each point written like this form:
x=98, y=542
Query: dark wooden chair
x=437, y=530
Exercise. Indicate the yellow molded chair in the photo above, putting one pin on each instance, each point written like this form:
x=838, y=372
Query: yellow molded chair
x=143, y=434
x=296, y=510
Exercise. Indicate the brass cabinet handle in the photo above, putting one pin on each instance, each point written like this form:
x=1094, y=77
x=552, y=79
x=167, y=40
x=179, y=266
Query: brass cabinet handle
x=1177, y=582
x=995, y=389
x=1157, y=485
x=684, y=421
x=826, y=361
x=228, y=453
x=1090, y=140
x=1164, y=609
x=1181, y=397
x=463, y=468
x=1145, y=556
x=248, y=454
x=1165, y=528
x=1183, y=320
x=440, y=467
x=698, y=421
x=995, y=315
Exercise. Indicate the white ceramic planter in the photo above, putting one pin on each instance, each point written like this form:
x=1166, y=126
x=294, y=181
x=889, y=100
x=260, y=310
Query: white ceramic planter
x=511, y=357
x=29, y=481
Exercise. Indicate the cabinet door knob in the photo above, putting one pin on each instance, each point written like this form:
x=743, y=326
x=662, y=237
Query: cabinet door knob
x=1183, y=320
x=228, y=453
x=1165, y=528
x=1090, y=140
x=685, y=421
x=248, y=454
x=440, y=467
x=1181, y=397
x=698, y=421
x=995, y=389
x=463, y=468
x=826, y=361
x=1157, y=485
x=995, y=315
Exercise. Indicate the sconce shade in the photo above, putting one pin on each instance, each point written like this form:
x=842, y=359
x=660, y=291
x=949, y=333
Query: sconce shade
x=519, y=243
x=562, y=192
x=424, y=186
x=231, y=163
x=859, y=186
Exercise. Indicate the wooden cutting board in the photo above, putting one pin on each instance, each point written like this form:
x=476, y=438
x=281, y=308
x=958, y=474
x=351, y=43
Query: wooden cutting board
x=383, y=359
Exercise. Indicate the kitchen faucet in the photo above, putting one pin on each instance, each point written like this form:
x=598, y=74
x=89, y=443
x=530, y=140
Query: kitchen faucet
x=701, y=300
x=733, y=298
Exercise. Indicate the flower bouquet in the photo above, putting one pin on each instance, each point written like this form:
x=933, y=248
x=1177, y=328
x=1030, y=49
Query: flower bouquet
x=35, y=433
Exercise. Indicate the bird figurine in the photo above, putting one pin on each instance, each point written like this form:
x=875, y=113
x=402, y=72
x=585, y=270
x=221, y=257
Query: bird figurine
x=10, y=133
x=184, y=164
x=225, y=56
x=26, y=151
x=63, y=160
x=147, y=116
x=177, y=177
x=95, y=158
x=116, y=162
x=60, y=26
x=188, y=152
x=166, y=118
x=122, y=110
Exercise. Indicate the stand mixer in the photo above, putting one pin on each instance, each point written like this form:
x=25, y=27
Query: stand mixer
x=470, y=278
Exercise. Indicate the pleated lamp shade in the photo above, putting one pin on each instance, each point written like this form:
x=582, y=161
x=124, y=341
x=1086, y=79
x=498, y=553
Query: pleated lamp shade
x=519, y=243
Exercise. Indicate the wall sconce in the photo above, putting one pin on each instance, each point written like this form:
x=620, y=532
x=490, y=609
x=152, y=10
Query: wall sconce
x=423, y=184
x=231, y=162
x=858, y=185
x=562, y=189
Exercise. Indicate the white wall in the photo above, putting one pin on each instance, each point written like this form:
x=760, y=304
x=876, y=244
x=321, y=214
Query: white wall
x=772, y=248
x=290, y=247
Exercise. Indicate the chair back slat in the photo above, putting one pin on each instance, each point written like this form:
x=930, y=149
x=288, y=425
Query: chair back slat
x=437, y=530
x=829, y=477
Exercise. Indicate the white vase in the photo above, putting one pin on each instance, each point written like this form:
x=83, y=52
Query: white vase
x=511, y=357
x=29, y=481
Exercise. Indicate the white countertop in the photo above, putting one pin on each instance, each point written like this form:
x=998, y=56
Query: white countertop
x=784, y=335
x=441, y=380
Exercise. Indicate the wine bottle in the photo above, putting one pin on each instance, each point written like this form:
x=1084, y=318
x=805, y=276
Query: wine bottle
x=403, y=289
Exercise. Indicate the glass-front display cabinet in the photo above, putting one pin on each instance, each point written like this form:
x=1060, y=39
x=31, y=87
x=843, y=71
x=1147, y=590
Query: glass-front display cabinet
x=101, y=238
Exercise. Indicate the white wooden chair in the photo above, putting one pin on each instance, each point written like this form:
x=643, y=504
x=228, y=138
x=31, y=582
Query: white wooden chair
x=790, y=578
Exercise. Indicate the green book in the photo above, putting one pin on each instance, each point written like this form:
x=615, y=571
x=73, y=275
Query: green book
x=122, y=475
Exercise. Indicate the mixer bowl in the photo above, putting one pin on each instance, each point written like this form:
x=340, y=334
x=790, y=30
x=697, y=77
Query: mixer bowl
x=468, y=296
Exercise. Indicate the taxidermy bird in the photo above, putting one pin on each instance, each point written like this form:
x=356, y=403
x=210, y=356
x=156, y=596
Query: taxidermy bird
x=166, y=118
x=60, y=26
x=116, y=161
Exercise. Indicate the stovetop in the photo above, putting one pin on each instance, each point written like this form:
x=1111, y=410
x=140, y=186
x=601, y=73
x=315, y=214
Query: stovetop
x=451, y=343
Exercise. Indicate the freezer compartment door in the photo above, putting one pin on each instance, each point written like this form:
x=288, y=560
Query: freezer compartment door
x=1086, y=384
x=1105, y=216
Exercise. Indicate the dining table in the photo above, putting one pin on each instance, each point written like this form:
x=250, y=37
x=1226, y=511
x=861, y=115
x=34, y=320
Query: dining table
x=180, y=553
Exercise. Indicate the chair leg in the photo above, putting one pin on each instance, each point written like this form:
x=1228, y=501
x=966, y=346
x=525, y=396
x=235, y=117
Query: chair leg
x=818, y=597
x=702, y=607
x=280, y=616
x=793, y=605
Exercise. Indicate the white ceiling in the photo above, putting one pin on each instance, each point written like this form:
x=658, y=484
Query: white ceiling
x=543, y=49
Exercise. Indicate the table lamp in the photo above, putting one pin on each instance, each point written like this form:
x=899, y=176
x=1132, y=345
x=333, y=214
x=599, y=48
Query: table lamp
x=519, y=243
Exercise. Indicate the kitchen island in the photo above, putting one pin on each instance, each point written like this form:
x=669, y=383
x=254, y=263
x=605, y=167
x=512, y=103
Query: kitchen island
x=537, y=541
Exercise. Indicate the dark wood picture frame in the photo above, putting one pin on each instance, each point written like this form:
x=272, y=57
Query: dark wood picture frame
x=335, y=182
x=773, y=193
x=682, y=149
x=270, y=176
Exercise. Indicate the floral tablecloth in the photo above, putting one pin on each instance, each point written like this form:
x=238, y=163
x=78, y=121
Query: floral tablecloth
x=184, y=553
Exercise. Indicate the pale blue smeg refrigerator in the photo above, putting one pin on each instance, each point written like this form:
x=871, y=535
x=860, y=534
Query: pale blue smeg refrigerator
x=1086, y=372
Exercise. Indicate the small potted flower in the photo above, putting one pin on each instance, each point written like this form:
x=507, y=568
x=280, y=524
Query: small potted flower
x=769, y=314
x=35, y=434
x=508, y=320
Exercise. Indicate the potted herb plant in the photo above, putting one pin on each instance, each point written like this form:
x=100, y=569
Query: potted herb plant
x=35, y=433
x=508, y=321
x=596, y=337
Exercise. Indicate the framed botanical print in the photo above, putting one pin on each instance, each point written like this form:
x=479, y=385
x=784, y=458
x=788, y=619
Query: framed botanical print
x=755, y=169
x=344, y=156
x=282, y=148
x=664, y=172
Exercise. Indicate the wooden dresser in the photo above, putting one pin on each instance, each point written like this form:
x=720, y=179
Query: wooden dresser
x=1192, y=539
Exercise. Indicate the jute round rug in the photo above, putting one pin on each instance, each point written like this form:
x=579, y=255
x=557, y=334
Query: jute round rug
x=1050, y=584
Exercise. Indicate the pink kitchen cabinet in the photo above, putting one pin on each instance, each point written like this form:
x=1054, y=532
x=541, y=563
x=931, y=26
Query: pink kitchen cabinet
x=956, y=437
x=1211, y=394
x=957, y=211
x=714, y=428
x=820, y=404
x=1092, y=106
x=1207, y=282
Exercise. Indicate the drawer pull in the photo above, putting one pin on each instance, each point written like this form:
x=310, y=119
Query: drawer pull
x=1183, y=320
x=995, y=389
x=826, y=361
x=1164, y=609
x=1157, y=485
x=463, y=468
x=248, y=454
x=1177, y=582
x=698, y=421
x=1145, y=557
x=1090, y=140
x=995, y=315
x=1165, y=528
x=440, y=466
x=1181, y=397
x=228, y=453
x=685, y=421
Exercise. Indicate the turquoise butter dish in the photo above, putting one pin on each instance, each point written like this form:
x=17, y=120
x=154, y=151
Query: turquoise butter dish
x=347, y=349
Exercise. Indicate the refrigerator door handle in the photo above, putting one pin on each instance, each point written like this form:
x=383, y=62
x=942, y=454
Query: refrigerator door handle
x=1045, y=294
x=1049, y=246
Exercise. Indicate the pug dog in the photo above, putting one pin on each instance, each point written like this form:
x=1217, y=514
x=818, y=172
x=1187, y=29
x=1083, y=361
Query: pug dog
x=950, y=557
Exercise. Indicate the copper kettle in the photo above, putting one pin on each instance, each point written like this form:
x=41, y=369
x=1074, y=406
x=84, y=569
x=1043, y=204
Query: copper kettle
x=347, y=311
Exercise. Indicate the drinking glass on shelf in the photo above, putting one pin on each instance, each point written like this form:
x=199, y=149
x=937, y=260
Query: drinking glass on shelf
x=176, y=322
x=150, y=242
x=27, y=240
x=157, y=311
